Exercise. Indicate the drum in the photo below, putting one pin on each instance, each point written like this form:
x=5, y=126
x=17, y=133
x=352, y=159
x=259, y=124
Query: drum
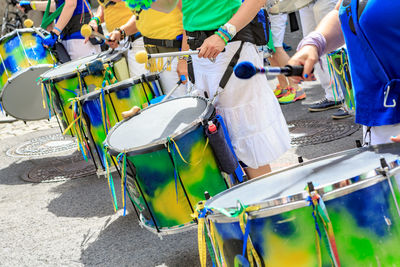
x=340, y=70
x=165, y=146
x=23, y=60
x=350, y=218
x=79, y=77
x=289, y=6
x=102, y=108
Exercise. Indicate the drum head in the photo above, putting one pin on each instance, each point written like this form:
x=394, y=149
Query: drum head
x=324, y=171
x=21, y=96
x=289, y=6
x=152, y=126
x=66, y=69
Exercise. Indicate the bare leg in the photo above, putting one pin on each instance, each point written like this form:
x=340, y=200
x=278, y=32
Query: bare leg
x=253, y=173
x=283, y=81
x=281, y=58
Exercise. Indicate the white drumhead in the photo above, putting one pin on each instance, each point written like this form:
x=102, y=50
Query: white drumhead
x=21, y=96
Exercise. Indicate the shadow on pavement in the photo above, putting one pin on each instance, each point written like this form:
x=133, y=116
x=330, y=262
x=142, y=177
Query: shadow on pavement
x=125, y=243
x=83, y=197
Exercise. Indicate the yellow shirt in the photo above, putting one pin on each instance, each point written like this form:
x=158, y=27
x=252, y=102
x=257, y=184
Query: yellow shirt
x=158, y=25
x=116, y=15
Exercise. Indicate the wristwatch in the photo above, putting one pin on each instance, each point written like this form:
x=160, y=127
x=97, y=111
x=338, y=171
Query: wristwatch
x=230, y=28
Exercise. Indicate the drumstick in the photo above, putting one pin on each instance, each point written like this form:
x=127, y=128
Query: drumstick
x=28, y=23
x=181, y=80
x=246, y=70
x=87, y=31
x=142, y=56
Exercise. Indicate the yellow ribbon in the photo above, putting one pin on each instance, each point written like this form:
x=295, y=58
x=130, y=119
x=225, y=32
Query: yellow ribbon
x=180, y=154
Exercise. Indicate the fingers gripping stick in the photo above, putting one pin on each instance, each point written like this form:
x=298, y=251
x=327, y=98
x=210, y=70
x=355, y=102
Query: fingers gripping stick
x=246, y=70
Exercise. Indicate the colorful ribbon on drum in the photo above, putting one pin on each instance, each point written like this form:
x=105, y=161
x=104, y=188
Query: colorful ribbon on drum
x=242, y=213
x=322, y=221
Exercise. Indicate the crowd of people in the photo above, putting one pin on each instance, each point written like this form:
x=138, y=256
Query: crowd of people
x=229, y=31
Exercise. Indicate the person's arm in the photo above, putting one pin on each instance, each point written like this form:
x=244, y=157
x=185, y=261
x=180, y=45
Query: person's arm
x=309, y=54
x=129, y=28
x=65, y=16
x=214, y=44
x=93, y=22
x=38, y=5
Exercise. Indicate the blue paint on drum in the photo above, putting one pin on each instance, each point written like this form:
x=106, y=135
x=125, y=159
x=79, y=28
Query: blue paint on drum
x=93, y=111
x=124, y=93
x=11, y=44
x=11, y=64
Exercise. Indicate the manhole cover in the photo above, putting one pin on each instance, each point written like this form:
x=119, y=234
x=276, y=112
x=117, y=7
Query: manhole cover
x=43, y=146
x=60, y=169
x=312, y=132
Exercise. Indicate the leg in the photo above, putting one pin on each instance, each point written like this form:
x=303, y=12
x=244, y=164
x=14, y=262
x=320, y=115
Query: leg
x=253, y=173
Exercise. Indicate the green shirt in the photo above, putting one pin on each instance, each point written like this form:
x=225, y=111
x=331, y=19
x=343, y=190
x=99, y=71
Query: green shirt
x=205, y=15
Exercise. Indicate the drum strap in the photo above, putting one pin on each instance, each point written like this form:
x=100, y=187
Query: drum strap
x=229, y=70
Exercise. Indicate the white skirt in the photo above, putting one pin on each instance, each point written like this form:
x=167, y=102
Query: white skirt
x=252, y=114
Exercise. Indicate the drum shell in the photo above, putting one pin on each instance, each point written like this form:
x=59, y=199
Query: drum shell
x=117, y=100
x=19, y=50
x=156, y=177
x=65, y=82
x=364, y=218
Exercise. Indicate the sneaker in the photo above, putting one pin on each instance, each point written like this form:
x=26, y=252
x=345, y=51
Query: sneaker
x=292, y=96
x=341, y=113
x=324, y=104
x=278, y=90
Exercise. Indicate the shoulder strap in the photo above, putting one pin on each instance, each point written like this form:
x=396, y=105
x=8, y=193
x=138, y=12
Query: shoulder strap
x=231, y=65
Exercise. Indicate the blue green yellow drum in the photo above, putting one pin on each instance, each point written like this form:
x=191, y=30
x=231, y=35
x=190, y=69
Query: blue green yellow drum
x=102, y=109
x=166, y=148
x=20, y=50
x=69, y=81
x=361, y=214
x=22, y=59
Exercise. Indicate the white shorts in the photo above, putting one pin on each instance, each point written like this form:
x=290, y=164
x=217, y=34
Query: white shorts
x=380, y=134
x=278, y=27
x=76, y=48
x=252, y=114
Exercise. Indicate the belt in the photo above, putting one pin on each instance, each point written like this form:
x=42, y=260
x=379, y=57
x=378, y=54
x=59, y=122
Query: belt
x=134, y=37
x=164, y=43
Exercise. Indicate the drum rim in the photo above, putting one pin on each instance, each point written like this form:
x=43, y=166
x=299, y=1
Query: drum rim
x=13, y=77
x=161, y=143
x=23, y=30
x=322, y=189
x=120, y=85
x=82, y=69
x=271, y=208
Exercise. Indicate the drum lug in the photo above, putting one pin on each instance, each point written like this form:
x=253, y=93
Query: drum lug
x=300, y=159
x=358, y=144
x=384, y=167
x=207, y=195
